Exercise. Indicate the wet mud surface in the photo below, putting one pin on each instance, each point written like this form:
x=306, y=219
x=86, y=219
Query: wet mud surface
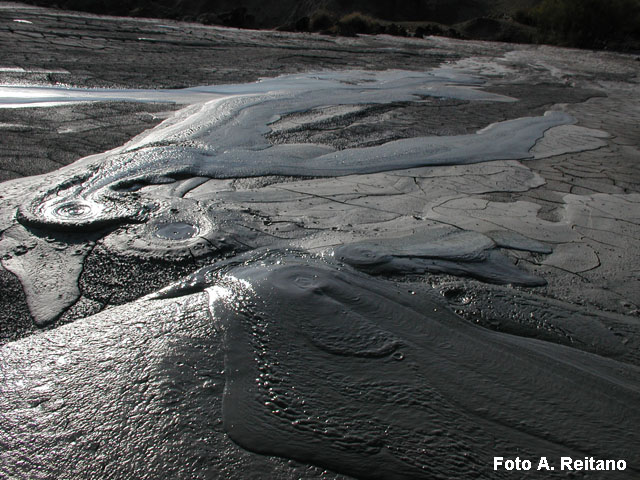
x=390, y=258
x=36, y=141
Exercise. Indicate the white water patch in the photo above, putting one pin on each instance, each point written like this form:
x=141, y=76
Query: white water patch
x=438, y=84
x=15, y=126
x=33, y=70
x=26, y=97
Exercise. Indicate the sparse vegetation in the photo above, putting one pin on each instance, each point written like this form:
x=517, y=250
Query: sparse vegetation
x=357, y=22
x=397, y=30
x=321, y=20
x=348, y=25
x=432, y=29
x=613, y=24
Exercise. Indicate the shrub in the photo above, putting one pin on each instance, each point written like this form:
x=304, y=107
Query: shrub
x=321, y=20
x=429, y=29
x=397, y=30
x=357, y=22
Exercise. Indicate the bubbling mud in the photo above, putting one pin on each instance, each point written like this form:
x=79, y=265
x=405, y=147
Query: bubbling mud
x=181, y=230
x=176, y=231
x=72, y=210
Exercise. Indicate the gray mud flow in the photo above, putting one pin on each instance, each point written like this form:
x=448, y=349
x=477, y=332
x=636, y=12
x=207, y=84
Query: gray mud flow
x=223, y=136
x=363, y=377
